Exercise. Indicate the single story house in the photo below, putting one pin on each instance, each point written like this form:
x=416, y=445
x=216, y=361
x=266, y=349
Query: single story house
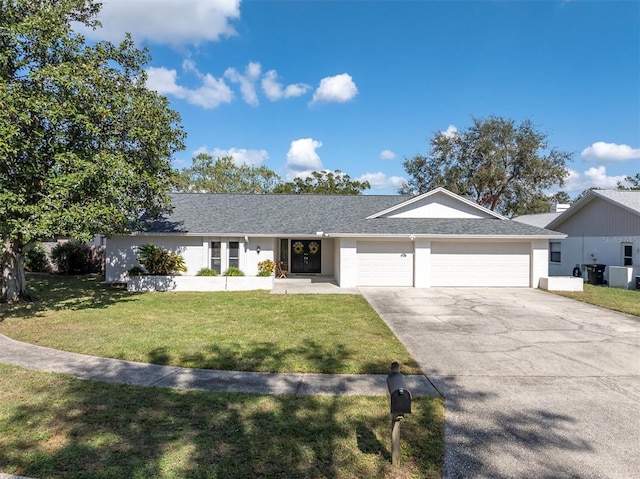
x=603, y=227
x=434, y=239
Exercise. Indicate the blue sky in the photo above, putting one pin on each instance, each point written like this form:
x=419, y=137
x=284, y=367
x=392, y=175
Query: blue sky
x=360, y=86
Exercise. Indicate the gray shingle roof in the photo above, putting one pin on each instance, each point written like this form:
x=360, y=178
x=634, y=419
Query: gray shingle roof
x=541, y=219
x=247, y=214
x=628, y=199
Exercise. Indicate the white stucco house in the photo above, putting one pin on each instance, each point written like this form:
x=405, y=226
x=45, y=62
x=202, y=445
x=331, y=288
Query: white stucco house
x=602, y=228
x=435, y=239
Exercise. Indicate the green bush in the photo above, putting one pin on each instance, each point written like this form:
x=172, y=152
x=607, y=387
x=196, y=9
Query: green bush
x=36, y=261
x=135, y=271
x=160, y=262
x=72, y=257
x=207, y=272
x=266, y=267
x=233, y=271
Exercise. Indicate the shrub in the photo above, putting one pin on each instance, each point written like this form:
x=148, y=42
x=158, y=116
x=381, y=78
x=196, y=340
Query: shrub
x=135, y=271
x=72, y=257
x=36, y=261
x=160, y=262
x=266, y=267
x=207, y=272
x=233, y=271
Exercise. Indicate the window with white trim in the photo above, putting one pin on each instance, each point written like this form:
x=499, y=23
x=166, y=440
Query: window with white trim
x=216, y=256
x=234, y=254
x=555, y=251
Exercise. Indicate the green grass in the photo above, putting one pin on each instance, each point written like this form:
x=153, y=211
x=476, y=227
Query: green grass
x=58, y=427
x=247, y=331
x=623, y=300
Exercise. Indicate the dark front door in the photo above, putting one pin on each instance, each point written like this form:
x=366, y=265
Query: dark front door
x=305, y=256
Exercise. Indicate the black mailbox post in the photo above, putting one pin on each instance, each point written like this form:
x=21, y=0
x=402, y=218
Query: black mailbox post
x=400, y=404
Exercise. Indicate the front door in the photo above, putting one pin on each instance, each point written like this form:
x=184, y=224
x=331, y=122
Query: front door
x=305, y=256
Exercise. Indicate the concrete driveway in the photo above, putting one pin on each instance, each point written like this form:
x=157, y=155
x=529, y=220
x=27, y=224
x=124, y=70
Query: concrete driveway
x=536, y=385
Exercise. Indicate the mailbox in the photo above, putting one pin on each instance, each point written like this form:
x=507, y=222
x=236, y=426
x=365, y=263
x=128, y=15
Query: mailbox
x=399, y=395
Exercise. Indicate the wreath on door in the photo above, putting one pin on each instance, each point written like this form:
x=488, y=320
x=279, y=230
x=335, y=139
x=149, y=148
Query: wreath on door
x=314, y=247
x=298, y=247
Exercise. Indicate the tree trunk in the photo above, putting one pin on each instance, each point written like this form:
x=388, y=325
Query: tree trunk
x=13, y=284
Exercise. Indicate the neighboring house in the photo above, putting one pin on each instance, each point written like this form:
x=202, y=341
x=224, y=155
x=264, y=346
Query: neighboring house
x=435, y=239
x=603, y=227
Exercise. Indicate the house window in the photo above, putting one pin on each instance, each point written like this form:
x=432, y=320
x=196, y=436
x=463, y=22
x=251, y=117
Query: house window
x=554, y=251
x=216, y=258
x=627, y=254
x=234, y=254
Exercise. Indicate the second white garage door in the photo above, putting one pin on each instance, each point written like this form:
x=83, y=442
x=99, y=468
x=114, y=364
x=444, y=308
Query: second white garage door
x=385, y=264
x=480, y=264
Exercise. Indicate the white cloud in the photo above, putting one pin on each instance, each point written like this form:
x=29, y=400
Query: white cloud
x=339, y=88
x=211, y=94
x=302, y=157
x=387, y=155
x=380, y=181
x=247, y=81
x=168, y=22
x=274, y=90
x=593, y=177
x=450, y=132
x=240, y=155
x=609, y=152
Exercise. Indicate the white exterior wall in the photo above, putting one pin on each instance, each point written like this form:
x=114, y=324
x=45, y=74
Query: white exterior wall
x=539, y=261
x=422, y=258
x=249, y=256
x=348, y=275
x=606, y=250
x=121, y=253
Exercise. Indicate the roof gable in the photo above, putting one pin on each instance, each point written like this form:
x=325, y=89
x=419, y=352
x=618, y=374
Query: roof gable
x=626, y=201
x=438, y=203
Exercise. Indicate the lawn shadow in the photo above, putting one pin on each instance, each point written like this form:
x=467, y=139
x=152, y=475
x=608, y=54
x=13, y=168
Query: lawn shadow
x=100, y=430
x=268, y=357
x=58, y=292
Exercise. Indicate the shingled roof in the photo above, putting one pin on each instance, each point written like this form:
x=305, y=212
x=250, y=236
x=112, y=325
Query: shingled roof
x=284, y=215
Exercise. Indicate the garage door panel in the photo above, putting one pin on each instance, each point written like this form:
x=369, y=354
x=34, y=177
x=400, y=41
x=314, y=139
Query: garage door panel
x=384, y=264
x=480, y=264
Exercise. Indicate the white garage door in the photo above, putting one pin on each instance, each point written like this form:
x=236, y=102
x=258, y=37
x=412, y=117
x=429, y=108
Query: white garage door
x=480, y=264
x=385, y=264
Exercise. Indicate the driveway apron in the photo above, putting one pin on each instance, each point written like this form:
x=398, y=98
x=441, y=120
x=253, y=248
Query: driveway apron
x=535, y=385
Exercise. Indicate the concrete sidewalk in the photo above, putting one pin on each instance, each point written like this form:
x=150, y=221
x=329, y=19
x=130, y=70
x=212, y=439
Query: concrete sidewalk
x=117, y=371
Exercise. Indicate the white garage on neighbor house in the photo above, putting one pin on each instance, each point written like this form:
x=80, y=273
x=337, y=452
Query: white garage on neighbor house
x=435, y=239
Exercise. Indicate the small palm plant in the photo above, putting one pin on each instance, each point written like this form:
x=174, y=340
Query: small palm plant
x=160, y=262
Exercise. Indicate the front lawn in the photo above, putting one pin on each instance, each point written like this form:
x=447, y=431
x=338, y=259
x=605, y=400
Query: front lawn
x=623, y=300
x=247, y=331
x=59, y=427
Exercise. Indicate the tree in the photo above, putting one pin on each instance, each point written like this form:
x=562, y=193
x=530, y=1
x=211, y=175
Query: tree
x=324, y=183
x=584, y=193
x=224, y=176
x=85, y=147
x=502, y=165
x=634, y=182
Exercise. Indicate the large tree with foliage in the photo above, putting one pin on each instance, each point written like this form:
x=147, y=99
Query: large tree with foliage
x=324, y=183
x=502, y=165
x=222, y=175
x=634, y=182
x=85, y=147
